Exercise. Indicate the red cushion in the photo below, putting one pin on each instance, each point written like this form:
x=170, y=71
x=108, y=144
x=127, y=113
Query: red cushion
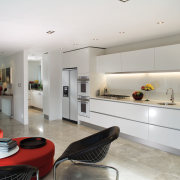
x=42, y=158
x=1, y=133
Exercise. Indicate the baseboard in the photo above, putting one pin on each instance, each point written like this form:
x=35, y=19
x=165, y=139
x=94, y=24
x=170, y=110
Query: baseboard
x=65, y=119
x=36, y=108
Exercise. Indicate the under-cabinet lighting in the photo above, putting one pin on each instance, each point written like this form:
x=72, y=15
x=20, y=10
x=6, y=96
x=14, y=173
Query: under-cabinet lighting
x=164, y=74
x=125, y=75
x=147, y=72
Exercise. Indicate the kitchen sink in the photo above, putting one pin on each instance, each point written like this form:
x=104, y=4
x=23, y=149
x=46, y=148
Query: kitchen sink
x=166, y=103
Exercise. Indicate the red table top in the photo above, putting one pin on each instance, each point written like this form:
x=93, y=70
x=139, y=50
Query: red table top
x=35, y=157
x=1, y=133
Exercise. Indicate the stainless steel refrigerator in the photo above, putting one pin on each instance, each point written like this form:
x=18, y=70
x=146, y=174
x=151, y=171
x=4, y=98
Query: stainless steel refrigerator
x=69, y=103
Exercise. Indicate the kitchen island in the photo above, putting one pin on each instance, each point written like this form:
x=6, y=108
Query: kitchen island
x=146, y=122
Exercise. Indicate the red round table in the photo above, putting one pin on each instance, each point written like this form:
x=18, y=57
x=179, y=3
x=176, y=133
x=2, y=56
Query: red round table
x=42, y=158
x=1, y=133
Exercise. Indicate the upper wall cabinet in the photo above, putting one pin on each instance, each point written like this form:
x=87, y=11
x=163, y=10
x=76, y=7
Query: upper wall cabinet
x=109, y=63
x=167, y=58
x=140, y=60
x=79, y=59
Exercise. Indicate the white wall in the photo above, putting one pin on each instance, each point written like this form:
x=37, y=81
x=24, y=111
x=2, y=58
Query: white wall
x=34, y=70
x=18, y=63
x=127, y=83
x=52, y=85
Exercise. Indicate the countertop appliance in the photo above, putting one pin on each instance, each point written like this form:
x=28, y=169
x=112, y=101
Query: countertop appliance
x=114, y=96
x=69, y=103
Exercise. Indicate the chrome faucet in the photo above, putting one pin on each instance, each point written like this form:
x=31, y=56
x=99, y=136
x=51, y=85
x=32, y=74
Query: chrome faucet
x=172, y=94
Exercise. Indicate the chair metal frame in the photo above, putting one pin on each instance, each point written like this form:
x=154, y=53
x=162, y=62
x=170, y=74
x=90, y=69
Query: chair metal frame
x=85, y=164
x=86, y=153
x=14, y=176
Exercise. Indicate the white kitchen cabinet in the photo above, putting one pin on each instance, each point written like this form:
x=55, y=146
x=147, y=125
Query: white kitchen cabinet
x=167, y=58
x=37, y=99
x=128, y=127
x=164, y=136
x=109, y=63
x=164, y=117
x=79, y=59
x=123, y=110
x=140, y=60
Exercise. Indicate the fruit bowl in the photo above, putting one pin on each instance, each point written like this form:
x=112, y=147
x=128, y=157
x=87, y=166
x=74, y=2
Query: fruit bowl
x=137, y=95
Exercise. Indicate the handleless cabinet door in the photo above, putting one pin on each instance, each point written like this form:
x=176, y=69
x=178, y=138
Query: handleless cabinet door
x=109, y=63
x=122, y=110
x=132, y=128
x=164, y=136
x=140, y=60
x=167, y=57
x=169, y=118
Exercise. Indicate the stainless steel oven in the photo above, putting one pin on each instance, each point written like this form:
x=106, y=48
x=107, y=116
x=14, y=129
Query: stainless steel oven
x=83, y=106
x=83, y=86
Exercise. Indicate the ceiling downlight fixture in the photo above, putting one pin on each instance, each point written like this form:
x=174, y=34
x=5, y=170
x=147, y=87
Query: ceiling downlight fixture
x=160, y=22
x=50, y=32
x=124, y=0
x=121, y=32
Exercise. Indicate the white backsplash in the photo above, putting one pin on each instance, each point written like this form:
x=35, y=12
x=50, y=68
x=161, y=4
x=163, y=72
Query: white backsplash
x=126, y=84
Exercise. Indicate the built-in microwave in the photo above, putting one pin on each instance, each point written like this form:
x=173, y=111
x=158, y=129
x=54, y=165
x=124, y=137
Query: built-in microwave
x=83, y=106
x=83, y=86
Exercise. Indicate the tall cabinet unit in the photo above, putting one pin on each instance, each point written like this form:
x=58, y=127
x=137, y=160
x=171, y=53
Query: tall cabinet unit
x=77, y=58
x=85, y=61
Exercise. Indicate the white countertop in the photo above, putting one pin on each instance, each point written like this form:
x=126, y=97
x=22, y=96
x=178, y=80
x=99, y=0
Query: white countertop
x=6, y=96
x=153, y=103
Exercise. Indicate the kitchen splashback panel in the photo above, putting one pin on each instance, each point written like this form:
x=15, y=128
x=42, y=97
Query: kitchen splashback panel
x=128, y=83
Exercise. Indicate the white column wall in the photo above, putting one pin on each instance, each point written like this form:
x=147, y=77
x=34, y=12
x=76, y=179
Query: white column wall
x=52, y=85
x=19, y=66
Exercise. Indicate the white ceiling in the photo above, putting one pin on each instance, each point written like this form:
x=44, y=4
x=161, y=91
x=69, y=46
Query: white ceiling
x=24, y=23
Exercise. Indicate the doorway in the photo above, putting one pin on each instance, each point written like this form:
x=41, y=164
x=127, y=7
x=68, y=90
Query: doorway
x=35, y=87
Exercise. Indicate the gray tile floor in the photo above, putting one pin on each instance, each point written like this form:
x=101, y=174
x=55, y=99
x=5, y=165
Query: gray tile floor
x=134, y=161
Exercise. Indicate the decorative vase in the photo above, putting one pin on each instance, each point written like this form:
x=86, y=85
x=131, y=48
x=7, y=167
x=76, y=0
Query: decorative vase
x=147, y=96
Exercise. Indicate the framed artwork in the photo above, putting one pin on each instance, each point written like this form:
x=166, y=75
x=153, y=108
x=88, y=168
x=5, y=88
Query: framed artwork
x=8, y=75
x=0, y=75
x=3, y=75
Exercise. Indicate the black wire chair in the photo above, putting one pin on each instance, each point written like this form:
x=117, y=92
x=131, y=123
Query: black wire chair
x=90, y=150
x=19, y=172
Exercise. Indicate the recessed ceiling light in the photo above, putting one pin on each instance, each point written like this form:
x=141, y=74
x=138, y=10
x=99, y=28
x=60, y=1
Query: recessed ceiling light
x=122, y=32
x=123, y=0
x=160, y=22
x=95, y=39
x=50, y=32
